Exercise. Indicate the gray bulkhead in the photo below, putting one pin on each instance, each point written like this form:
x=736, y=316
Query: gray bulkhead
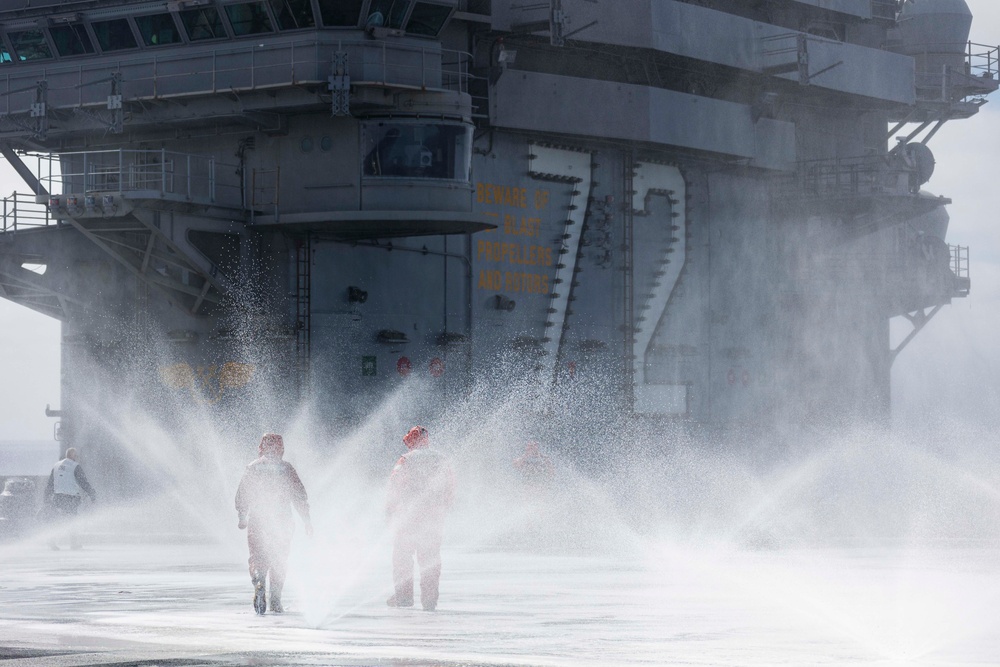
x=648, y=212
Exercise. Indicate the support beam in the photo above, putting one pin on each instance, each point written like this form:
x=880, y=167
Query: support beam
x=190, y=264
x=23, y=287
x=919, y=320
x=135, y=270
x=22, y=169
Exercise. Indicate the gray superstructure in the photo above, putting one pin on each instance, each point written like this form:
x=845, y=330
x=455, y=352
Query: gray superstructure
x=708, y=210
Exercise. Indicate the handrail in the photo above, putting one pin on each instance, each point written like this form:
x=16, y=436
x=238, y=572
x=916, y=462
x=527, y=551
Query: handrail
x=959, y=260
x=185, y=175
x=236, y=67
x=84, y=174
x=884, y=9
x=21, y=211
x=865, y=175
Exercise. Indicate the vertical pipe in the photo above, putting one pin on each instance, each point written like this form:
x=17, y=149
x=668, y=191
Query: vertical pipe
x=211, y=180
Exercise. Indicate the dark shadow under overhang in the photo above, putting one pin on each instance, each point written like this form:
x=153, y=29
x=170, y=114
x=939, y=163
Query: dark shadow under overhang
x=861, y=214
x=355, y=225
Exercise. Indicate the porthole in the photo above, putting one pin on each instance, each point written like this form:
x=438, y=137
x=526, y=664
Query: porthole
x=306, y=145
x=325, y=144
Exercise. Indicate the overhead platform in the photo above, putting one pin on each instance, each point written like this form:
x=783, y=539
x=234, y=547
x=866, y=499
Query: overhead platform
x=563, y=104
x=865, y=9
x=712, y=36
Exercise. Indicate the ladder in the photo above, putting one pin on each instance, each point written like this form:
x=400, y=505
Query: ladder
x=303, y=308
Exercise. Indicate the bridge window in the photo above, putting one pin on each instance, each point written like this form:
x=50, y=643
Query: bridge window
x=30, y=45
x=417, y=150
x=340, y=13
x=203, y=24
x=157, y=29
x=114, y=35
x=71, y=40
x=427, y=19
x=292, y=14
x=249, y=18
x=389, y=13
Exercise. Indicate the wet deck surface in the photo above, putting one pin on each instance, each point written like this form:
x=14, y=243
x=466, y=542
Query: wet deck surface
x=189, y=605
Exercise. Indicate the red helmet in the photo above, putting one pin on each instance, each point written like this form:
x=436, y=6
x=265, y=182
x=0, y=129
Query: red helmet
x=416, y=437
x=271, y=444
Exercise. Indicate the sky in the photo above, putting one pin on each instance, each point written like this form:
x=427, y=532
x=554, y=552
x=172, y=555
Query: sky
x=948, y=373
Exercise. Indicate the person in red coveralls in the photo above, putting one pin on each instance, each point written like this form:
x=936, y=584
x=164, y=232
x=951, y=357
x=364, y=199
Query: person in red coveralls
x=535, y=468
x=269, y=489
x=421, y=491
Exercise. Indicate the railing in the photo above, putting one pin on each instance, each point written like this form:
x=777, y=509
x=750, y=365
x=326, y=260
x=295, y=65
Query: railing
x=975, y=78
x=783, y=53
x=74, y=179
x=232, y=68
x=21, y=211
x=184, y=176
x=846, y=177
x=884, y=9
x=960, y=261
x=983, y=60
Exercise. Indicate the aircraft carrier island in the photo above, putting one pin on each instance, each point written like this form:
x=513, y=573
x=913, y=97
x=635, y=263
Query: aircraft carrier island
x=700, y=212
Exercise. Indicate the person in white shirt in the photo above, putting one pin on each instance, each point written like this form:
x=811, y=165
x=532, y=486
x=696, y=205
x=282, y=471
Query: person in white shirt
x=64, y=491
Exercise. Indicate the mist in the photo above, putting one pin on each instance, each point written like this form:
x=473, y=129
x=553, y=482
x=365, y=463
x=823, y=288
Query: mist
x=795, y=535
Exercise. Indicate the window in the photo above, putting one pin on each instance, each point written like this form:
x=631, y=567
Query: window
x=427, y=19
x=292, y=14
x=249, y=18
x=157, y=29
x=71, y=40
x=30, y=45
x=389, y=13
x=203, y=24
x=416, y=150
x=5, y=56
x=340, y=13
x=114, y=35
